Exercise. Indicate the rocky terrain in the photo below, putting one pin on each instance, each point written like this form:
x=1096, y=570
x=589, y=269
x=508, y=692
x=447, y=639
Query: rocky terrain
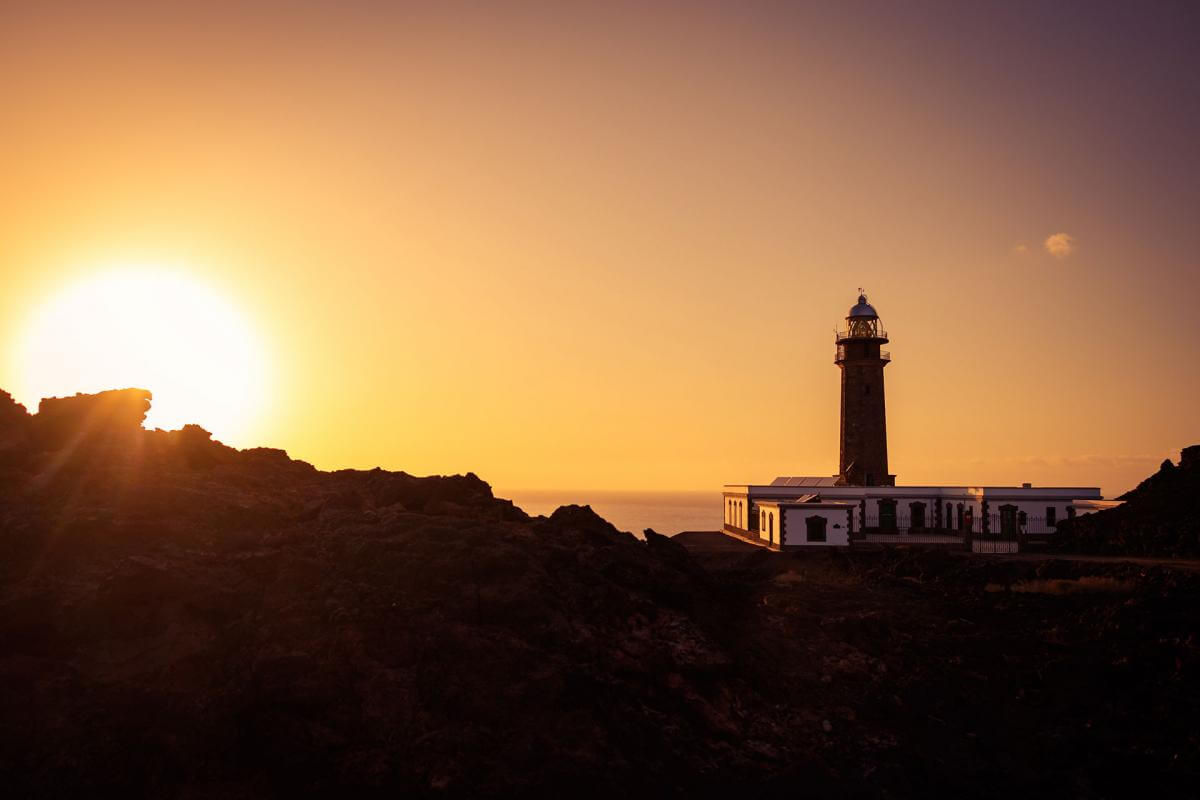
x=181, y=619
x=1161, y=517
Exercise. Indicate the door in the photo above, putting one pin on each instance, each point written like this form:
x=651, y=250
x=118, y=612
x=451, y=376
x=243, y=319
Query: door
x=1008, y=520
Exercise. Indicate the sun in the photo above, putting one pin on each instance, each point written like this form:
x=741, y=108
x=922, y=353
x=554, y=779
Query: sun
x=155, y=329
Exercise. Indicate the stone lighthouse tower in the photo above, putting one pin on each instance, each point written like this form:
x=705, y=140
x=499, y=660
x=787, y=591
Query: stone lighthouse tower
x=864, y=423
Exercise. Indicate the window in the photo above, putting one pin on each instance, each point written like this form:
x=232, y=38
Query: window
x=815, y=529
x=1051, y=516
x=887, y=515
x=948, y=522
x=916, y=512
x=960, y=516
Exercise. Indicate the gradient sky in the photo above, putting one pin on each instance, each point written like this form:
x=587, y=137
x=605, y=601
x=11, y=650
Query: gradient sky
x=608, y=248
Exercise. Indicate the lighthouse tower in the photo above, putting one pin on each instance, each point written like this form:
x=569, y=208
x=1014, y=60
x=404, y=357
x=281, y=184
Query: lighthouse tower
x=864, y=424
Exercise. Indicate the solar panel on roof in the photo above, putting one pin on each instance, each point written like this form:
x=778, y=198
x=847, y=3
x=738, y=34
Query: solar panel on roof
x=804, y=480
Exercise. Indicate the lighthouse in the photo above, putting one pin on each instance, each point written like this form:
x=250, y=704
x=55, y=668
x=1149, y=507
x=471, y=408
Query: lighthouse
x=864, y=423
x=862, y=502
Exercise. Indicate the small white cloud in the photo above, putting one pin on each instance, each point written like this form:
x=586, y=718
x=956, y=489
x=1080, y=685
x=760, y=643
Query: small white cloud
x=1021, y=249
x=1060, y=245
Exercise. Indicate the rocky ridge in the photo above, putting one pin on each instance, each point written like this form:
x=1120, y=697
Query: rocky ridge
x=1160, y=517
x=183, y=619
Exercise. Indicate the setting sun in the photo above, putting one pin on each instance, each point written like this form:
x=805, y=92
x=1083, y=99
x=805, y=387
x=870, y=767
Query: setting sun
x=154, y=329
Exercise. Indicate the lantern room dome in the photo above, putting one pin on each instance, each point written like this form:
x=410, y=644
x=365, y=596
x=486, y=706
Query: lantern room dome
x=863, y=310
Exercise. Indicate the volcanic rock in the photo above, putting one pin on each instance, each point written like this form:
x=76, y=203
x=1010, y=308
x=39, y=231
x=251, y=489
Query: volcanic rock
x=1160, y=517
x=89, y=419
x=182, y=619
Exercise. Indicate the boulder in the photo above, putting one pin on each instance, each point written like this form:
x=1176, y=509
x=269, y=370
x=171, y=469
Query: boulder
x=110, y=417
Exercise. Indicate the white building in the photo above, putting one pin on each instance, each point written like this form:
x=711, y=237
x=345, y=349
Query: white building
x=791, y=512
x=862, y=502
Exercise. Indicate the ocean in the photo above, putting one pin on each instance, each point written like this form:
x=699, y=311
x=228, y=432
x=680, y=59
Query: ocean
x=634, y=511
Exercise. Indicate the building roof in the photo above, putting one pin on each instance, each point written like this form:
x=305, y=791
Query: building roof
x=862, y=309
x=1098, y=505
x=787, y=488
x=807, y=501
x=802, y=480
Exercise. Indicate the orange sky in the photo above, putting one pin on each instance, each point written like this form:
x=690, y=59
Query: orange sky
x=609, y=249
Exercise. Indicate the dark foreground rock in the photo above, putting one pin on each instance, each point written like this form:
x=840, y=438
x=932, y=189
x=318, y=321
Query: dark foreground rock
x=180, y=619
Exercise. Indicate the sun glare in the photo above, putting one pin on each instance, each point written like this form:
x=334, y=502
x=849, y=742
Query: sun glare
x=157, y=330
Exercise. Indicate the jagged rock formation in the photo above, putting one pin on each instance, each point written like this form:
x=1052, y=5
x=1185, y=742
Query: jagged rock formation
x=15, y=424
x=1160, y=517
x=107, y=418
x=182, y=619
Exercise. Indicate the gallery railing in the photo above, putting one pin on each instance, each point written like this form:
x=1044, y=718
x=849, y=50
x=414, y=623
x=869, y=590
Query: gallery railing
x=875, y=334
x=840, y=354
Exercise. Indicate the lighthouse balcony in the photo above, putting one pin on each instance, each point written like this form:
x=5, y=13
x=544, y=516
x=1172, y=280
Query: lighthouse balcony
x=840, y=355
x=860, y=333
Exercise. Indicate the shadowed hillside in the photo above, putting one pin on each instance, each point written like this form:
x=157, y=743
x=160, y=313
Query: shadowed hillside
x=1161, y=517
x=183, y=619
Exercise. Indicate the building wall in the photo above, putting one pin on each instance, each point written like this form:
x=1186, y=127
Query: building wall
x=931, y=500
x=863, y=457
x=796, y=527
x=1034, y=509
x=769, y=521
x=736, y=510
x=1031, y=500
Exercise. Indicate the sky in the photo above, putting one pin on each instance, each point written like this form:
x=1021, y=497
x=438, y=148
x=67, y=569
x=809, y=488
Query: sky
x=607, y=247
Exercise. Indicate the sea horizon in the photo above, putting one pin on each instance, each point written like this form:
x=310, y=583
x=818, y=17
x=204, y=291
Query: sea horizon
x=665, y=511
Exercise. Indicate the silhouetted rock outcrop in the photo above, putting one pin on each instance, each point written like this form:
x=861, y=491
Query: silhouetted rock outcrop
x=1160, y=517
x=88, y=419
x=179, y=618
x=15, y=430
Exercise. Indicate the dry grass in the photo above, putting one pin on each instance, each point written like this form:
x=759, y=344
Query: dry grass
x=1088, y=584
